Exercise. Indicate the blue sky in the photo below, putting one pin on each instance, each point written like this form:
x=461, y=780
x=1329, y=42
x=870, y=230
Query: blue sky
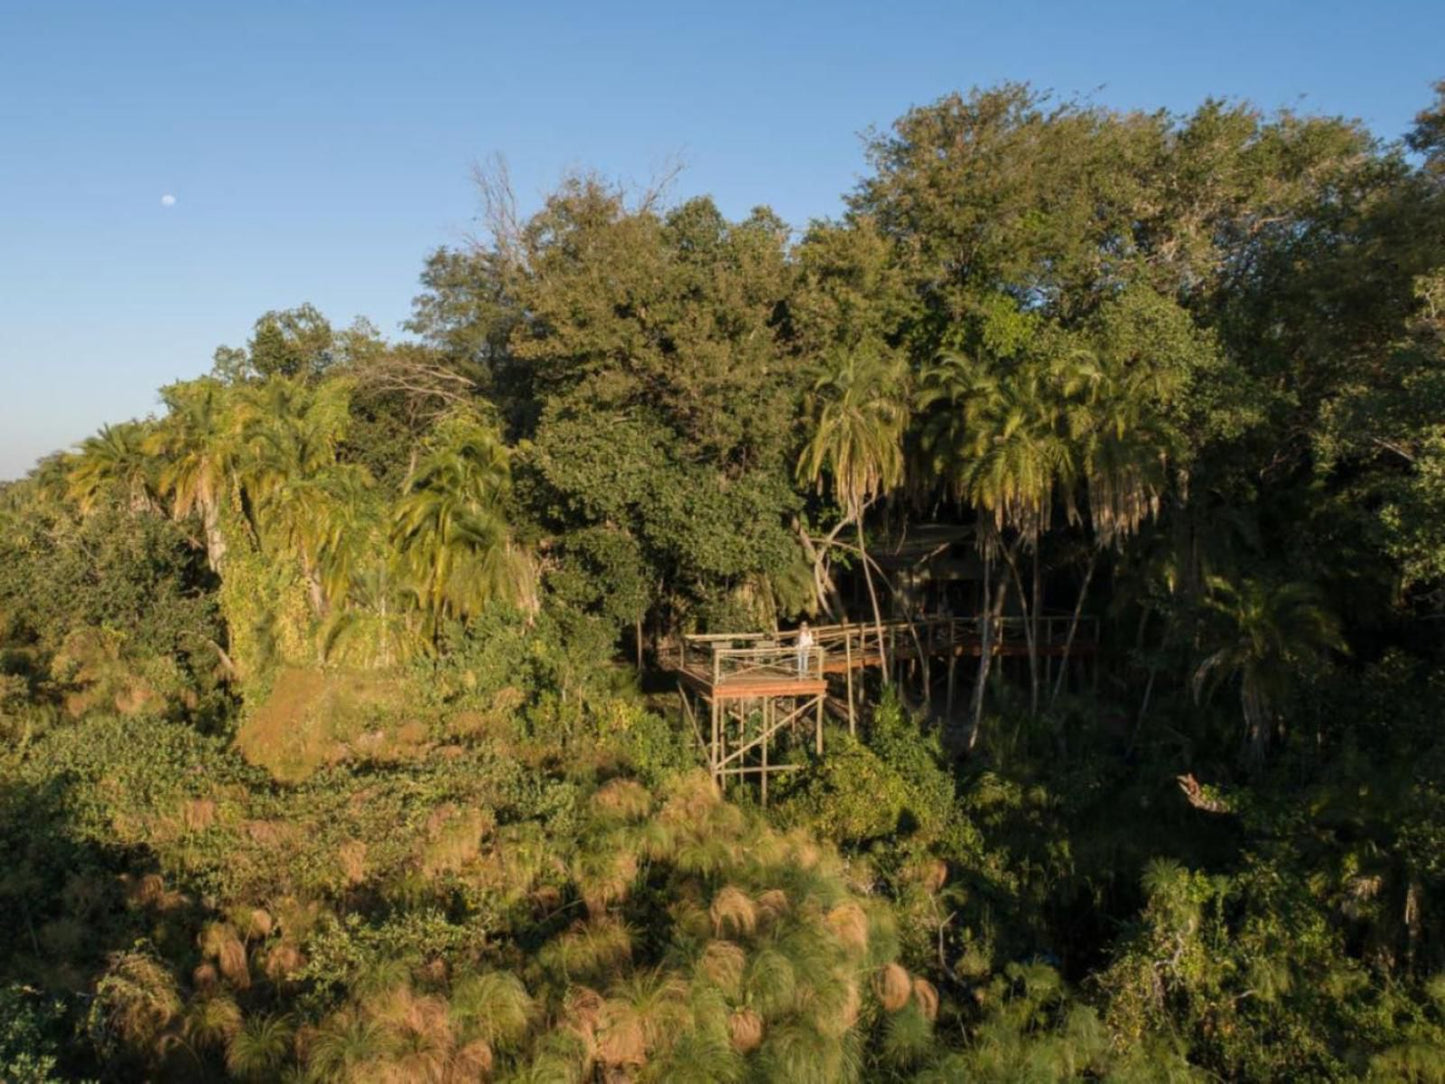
x=318, y=151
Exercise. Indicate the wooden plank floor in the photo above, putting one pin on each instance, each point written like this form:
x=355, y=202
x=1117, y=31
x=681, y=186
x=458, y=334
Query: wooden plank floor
x=744, y=686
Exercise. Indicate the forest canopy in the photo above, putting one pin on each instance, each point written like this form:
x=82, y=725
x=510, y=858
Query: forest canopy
x=341, y=732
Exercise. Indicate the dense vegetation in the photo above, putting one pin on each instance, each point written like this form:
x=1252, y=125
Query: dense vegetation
x=336, y=736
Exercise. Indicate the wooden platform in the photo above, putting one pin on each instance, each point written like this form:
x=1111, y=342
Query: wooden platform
x=745, y=686
x=740, y=666
x=753, y=696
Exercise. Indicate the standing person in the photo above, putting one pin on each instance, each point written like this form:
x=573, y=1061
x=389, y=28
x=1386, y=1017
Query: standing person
x=805, y=647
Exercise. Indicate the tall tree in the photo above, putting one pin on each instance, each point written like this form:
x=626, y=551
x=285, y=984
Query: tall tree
x=450, y=527
x=859, y=413
x=1266, y=633
x=198, y=443
x=299, y=490
x=115, y=462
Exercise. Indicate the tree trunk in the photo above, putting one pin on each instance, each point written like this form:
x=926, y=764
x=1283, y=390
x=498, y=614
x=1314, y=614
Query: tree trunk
x=985, y=654
x=1074, y=625
x=985, y=646
x=824, y=589
x=1029, y=632
x=215, y=541
x=1035, y=648
x=873, y=598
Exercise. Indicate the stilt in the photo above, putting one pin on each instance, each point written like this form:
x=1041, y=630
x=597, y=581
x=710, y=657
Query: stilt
x=848, y=677
x=767, y=739
x=715, y=752
x=952, y=667
x=927, y=668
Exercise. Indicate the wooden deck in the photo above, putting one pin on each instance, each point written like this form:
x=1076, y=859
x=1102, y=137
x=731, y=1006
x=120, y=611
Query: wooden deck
x=752, y=696
x=744, y=686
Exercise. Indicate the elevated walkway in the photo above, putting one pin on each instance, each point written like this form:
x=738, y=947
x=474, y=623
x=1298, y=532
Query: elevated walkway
x=730, y=665
x=755, y=687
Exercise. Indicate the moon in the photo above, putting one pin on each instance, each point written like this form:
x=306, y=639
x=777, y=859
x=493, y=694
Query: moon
x=168, y=200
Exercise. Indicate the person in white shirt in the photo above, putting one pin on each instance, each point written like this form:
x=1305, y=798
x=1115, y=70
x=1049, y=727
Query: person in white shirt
x=805, y=648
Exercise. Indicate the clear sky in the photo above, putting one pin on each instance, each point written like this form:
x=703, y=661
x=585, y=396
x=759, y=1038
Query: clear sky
x=317, y=151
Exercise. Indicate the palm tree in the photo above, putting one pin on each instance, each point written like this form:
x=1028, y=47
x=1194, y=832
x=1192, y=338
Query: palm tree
x=860, y=414
x=115, y=460
x=1124, y=446
x=302, y=495
x=1267, y=631
x=450, y=529
x=197, y=441
x=996, y=436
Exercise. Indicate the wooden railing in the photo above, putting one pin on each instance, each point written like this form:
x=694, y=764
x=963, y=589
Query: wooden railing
x=751, y=655
x=783, y=662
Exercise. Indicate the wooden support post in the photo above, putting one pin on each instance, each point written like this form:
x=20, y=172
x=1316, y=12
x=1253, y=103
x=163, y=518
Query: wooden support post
x=767, y=740
x=818, y=724
x=848, y=676
x=952, y=666
x=927, y=665
x=715, y=754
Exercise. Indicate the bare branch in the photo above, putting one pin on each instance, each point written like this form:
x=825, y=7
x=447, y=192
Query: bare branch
x=499, y=208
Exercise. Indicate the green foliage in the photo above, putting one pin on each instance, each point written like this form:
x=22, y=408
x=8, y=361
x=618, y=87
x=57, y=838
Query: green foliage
x=319, y=760
x=30, y=1036
x=890, y=786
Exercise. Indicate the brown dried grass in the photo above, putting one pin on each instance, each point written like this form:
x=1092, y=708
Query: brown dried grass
x=935, y=875
x=472, y=1062
x=456, y=839
x=283, y=960
x=623, y=1042
x=623, y=799
x=745, y=1030
x=296, y=918
x=834, y=1007
x=893, y=987
x=611, y=885
x=803, y=850
x=198, y=815
x=693, y=796
x=271, y=834
x=926, y=994
x=317, y=717
x=351, y=856
x=733, y=911
x=220, y=942
x=255, y=923
x=772, y=905
x=848, y=922
x=151, y=891
x=434, y=971
x=582, y=1014
x=852, y=1004
x=233, y=964
x=416, y=1015
x=723, y=963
